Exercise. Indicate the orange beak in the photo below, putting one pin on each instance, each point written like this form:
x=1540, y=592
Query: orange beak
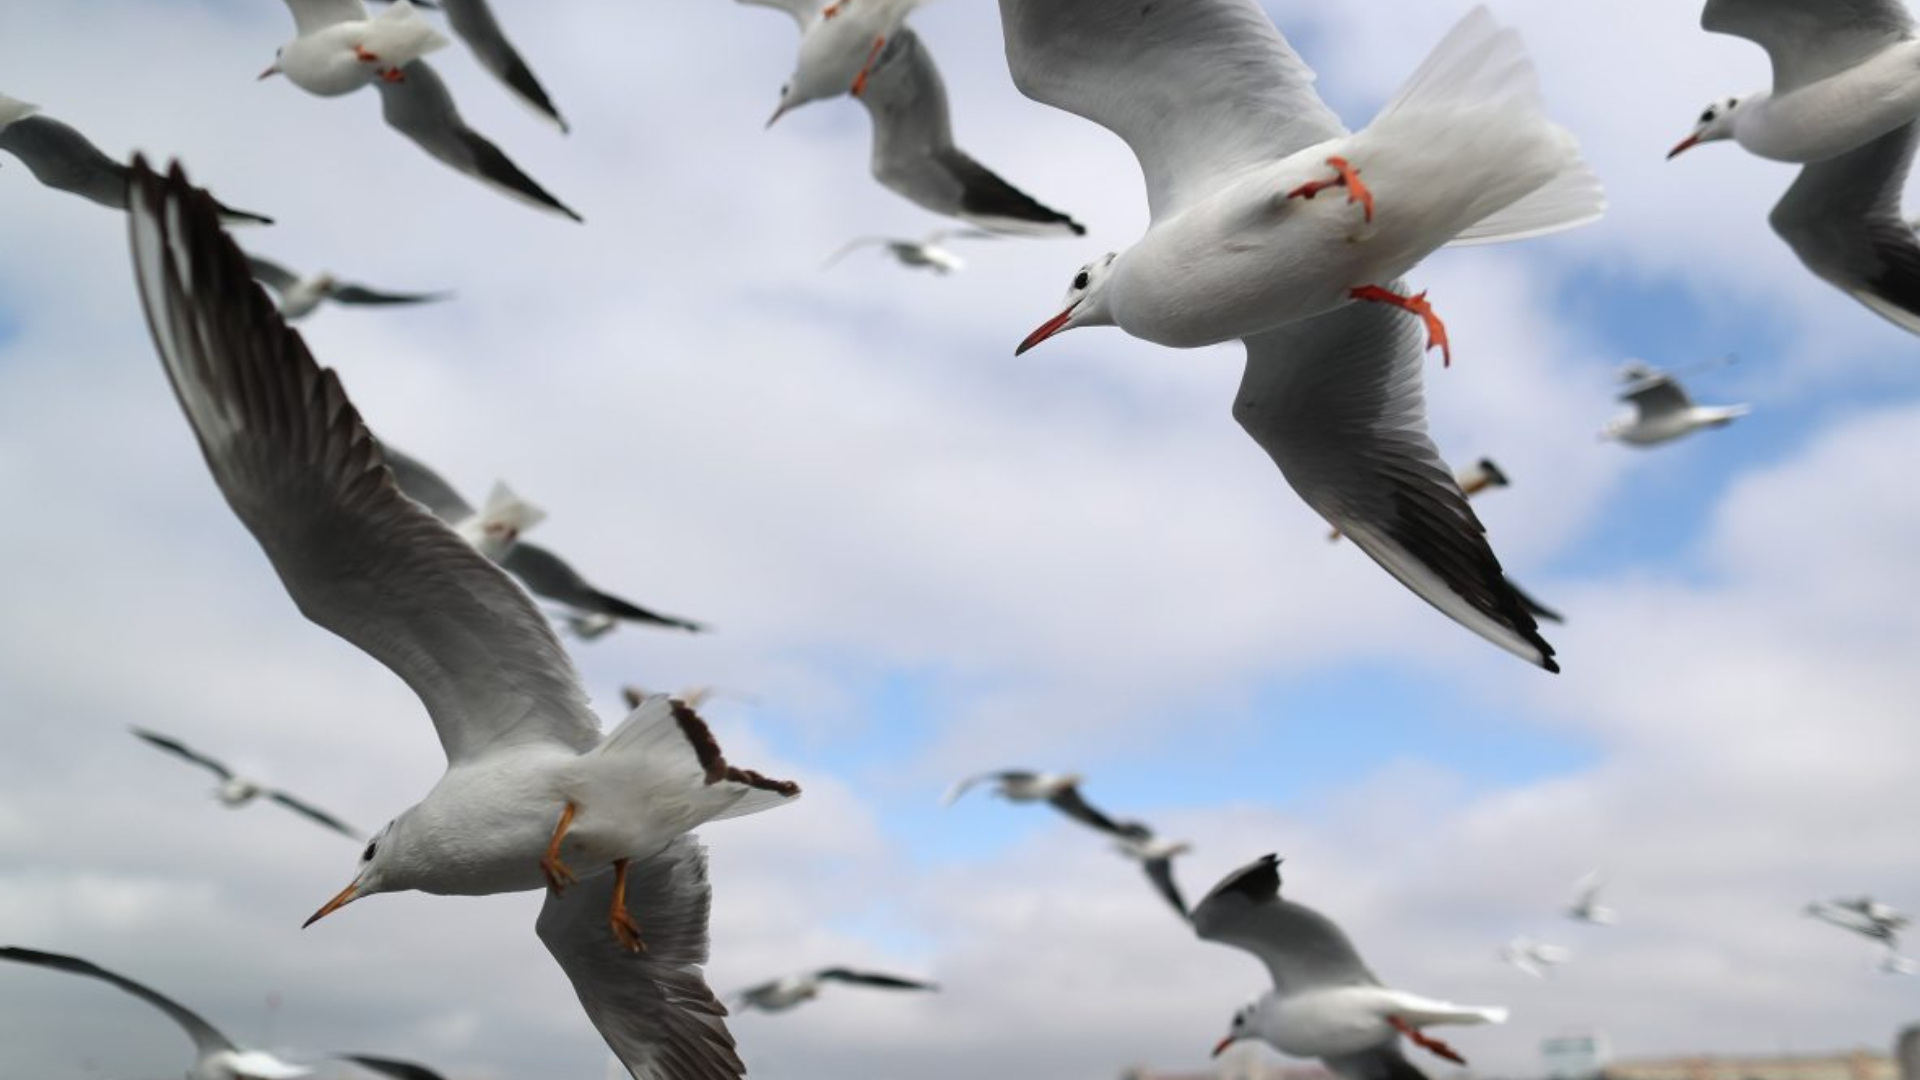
x=346, y=896
x=269, y=73
x=1047, y=329
x=777, y=114
x=1686, y=144
x=1221, y=1048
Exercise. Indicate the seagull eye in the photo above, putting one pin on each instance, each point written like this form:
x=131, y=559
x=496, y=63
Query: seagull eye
x=1081, y=279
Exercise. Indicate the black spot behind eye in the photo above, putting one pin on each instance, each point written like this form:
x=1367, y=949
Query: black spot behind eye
x=367, y=855
x=1081, y=279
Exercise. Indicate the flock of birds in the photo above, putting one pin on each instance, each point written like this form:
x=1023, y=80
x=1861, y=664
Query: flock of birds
x=1236, y=149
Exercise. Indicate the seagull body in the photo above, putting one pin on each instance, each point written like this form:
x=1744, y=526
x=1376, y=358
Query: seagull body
x=237, y=791
x=1536, y=958
x=338, y=48
x=299, y=296
x=1864, y=916
x=928, y=252
x=839, y=42
x=63, y=159
x=1325, y=1002
x=1662, y=411
x=1844, y=103
x=1586, y=906
x=779, y=995
x=532, y=784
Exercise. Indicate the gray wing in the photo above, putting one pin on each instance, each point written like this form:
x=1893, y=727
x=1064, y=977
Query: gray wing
x=1842, y=217
x=426, y=487
x=473, y=20
x=549, y=576
x=1810, y=41
x=1160, y=872
x=872, y=978
x=914, y=155
x=1534, y=607
x=206, y=1038
x=1384, y=1062
x=1658, y=395
x=1200, y=89
x=312, y=15
x=272, y=274
x=953, y=793
x=421, y=108
x=1302, y=948
x=62, y=158
x=360, y=294
x=1070, y=802
x=175, y=746
x=1336, y=402
x=303, y=474
x=399, y=1070
x=653, y=1007
x=316, y=814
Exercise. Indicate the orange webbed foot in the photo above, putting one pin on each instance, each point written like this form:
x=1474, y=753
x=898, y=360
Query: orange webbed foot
x=1416, y=305
x=364, y=55
x=625, y=930
x=395, y=75
x=866, y=69
x=1425, y=1041
x=1348, y=177
x=557, y=873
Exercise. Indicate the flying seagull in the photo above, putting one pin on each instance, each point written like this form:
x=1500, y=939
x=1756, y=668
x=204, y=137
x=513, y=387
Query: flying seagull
x=1586, y=906
x=235, y=791
x=929, y=252
x=1662, y=411
x=1536, y=958
x=299, y=296
x=840, y=43
x=1325, y=1003
x=535, y=794
x=1059, y=790
x=1864, y=916
x=779, y=995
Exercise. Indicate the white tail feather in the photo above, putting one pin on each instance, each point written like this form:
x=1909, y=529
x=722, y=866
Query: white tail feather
x=495, y=528
x=12, y=109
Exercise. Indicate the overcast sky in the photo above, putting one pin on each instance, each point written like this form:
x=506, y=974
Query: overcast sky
x=923, y=557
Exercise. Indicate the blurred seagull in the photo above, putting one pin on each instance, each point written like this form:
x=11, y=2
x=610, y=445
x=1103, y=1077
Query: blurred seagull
x=1222, y=115
x=1536, y=958
x=1892, y=963
x=840, y=43
x=63, y=159
x=235, y=791
x=545, y=574
x=1325, y=1003
x=299, y=296
x=421, y=108
x=914, y=155
x=779, y=995
x=399, y=1070
x=1155, y=856
x=337, y=48
x=1060, y=790
x=917, y=253
x=1586, y=906
x=1864, y=916
x=1662, y=410
x=532, y=783
x=1844, y=103
x=473, y=21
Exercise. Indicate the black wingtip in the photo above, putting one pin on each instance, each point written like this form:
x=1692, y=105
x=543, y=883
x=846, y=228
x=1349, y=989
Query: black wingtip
x=1259, y=882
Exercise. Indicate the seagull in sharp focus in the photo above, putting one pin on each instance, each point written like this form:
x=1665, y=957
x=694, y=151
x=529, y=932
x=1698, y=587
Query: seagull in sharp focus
x=235, y=791
x=535, y=795
x=65, y=160
x=1662, y=411
x=299, y=296
x=779, y=995
x=840, y=43
x=1844, y=104
x=1536, y=958
x=929, y=252
x=1586, y=906
x=1059, y=790
x=1325, y=1003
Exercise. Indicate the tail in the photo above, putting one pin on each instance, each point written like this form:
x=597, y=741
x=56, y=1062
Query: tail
x=1480, y=72
x=671, y=737
x=505, y=517
x=12, y=109
x=1423, y=1012
x=1727, y=414
x=401, y=36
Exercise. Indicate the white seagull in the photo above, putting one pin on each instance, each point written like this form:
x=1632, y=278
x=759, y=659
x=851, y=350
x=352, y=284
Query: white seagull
x=1536, y=958
x=1662, y=411
x=65, y=160
x=1864, y=916
x=1325, y=1003
x=779, y=995
x=1586, y=906
x=237, y=791
x=587, y=610
x=1223, y=118
x=928, y=252
x=1844, y=103
x=839, y=44
x=534, y=793
x=299, y=296
x=337, y=48
x=1059, y=790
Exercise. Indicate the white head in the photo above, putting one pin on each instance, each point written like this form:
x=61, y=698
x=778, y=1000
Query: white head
x=1085, y=304
x=1242, y=1027
x=1715, y=123
x=378, y=863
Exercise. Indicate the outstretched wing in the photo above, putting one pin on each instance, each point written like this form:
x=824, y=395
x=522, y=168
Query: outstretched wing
x=206, y=1038
x=1302, y=948
x=872, y=978
x=1810, y=41
x=316, y=814
x=420, y=107
x=551, y=577
x=175, y=746
x=1842, y=217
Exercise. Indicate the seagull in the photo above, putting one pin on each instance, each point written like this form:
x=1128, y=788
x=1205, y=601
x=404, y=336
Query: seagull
x=337, y=48
x=1536, y=958
x=299, y=296
x=1060, y=790
x=1325, y=1003
x=547, y=575
x=779, y=995
x=1864, y=916
x=840, y=45
x=914, y=155
x=1586, y=906
x=63, y=159
x=1844, y=104
x=532, y=784
x=235, y=791
x=473, y=21
x=927, y=252
x=1662, y=410
x=421, y=108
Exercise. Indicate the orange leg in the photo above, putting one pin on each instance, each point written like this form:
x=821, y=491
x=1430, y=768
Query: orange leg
x=833, y=9
x=361, y=54
x=395, y=75
x=1416, y=304
x=625, y=930
x=1349, y=178
x=557, y=874
x=1426, y=1041
x=860, y=80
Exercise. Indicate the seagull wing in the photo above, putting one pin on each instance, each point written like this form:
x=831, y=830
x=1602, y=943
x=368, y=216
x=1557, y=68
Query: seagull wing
x=1335, y=400
x=399, y=1070
x=1534, y=607
x=914, y=155
x=1808, y=42
x=549, y=576
x=314, y=15
x=1201, y=89
x=1658, y=395
x=272, y=274
x=803, y=11
x=206, y=1038
x=306, y=477
x=953, y=793
x=1070, y=802
x=1302, y=948
x=1383, y=1062
x=473, y=20
x=1160, y=872
x=175, y=746
x=653, y=1007
x=426, y=487
x=872, y=978
x=63, y=159
x=316, y=814
x=1842, y=217
x=420, y=107
x=360, y=294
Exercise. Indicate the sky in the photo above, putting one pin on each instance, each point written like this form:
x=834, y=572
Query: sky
x=923, y=557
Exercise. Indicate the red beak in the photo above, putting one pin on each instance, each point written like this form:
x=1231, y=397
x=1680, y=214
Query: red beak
x=1222, y=1047
x=1686, y=144
x=269, y=73
x=1047, y=329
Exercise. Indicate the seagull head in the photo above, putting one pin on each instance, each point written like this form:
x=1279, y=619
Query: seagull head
x=1715, y=123
x=1085, y=304
x=367, y=881
x=1242, y=1027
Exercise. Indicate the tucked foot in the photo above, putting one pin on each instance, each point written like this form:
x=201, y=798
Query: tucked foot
x=393, y=75
x=1426, y=1042
x=833, y=9
x=625, y=930
x=1417, y=305
x=364, y=55
x=866, y=69
x=1349, y=178
x=557, y=873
